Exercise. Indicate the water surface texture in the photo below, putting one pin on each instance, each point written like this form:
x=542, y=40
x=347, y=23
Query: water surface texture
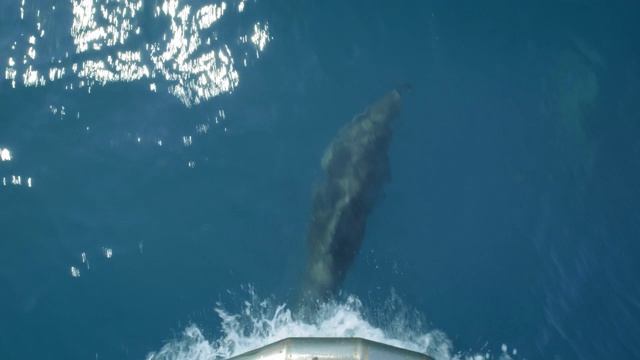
x=158, y=160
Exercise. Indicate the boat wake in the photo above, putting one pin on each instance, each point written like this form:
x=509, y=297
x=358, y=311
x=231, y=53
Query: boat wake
x=258, y=322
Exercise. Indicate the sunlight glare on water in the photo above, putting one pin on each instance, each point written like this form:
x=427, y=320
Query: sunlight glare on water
x=186, y=58
x=5, y=155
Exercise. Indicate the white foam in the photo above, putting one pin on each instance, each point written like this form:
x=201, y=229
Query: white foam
x=261, y=322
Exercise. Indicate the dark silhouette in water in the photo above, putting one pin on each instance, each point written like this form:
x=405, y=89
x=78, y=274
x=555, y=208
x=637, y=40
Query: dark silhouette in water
x=356, y=166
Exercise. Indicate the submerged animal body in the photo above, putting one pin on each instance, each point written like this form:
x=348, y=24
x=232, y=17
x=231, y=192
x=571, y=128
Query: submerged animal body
x=355, y=166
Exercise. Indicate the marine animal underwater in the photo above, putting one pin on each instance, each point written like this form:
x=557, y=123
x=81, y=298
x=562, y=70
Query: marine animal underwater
x=355, y=167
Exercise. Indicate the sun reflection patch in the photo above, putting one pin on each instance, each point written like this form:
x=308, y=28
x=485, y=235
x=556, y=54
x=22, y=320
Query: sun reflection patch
x=180, y=50
x=5, y=155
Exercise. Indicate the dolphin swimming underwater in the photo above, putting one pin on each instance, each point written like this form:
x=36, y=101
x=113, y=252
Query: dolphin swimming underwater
x=355, y=166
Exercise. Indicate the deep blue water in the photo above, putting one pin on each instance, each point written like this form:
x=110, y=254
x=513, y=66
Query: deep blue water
x=512, y=217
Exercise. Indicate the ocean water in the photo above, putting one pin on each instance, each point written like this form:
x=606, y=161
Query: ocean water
x=158, y=159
